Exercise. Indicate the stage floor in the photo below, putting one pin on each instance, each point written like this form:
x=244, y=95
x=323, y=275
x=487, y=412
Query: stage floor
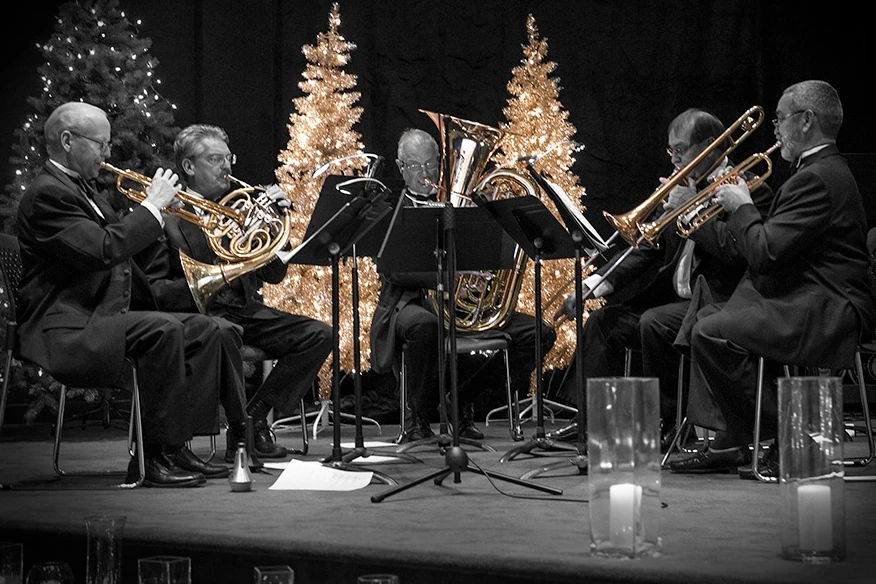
x=715, y=528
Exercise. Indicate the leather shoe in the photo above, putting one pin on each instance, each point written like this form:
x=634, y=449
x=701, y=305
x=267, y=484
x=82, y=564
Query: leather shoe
x=161, y=473
x=712, y=461
x=417, y=433
x=767, y=466
x=185, y=459
x=467, y=429
x=265, y=446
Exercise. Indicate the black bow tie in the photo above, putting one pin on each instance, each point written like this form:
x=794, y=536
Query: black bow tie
x=86, y=186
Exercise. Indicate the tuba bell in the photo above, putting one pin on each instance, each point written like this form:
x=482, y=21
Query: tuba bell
x=486, y=299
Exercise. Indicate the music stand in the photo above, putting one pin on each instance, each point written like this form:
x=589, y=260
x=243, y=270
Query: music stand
x=541, y=237
x=582, y=234
x=472, y=224
x=338, y=222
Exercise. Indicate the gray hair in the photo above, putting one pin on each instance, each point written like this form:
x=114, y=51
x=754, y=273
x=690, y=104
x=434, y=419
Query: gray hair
x=188, y=142
x=414, y=138
x=821, y=98
x=74, y=116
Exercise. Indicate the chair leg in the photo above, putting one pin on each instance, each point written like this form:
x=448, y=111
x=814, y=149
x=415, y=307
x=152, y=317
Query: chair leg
x=5, y=387
x=134, y=442
x=402, y=399
x=513, y=403
x=865, y=408
x=755, y=455
x=680, y=419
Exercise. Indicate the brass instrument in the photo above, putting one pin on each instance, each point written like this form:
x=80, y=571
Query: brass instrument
x=628, y=225
x=242, y=229
x=703, y=206
x=481, y=300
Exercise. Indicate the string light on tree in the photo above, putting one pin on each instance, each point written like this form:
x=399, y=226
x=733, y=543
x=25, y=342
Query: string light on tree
x=321, y=130
x=536, y=122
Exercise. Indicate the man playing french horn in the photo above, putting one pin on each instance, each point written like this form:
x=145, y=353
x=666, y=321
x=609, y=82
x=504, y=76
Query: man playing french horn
x=299, y=344
x=649, y=291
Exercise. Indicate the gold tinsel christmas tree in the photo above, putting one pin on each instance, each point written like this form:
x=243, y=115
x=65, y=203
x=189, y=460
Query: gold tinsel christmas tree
x=537, y=123
x=320, y=131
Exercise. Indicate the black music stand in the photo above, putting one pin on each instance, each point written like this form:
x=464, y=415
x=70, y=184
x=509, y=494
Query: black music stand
x=339, y=221
x=542, y=237
x=444, y=225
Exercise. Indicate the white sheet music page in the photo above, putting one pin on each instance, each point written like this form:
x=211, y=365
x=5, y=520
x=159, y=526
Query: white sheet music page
x=314, y=476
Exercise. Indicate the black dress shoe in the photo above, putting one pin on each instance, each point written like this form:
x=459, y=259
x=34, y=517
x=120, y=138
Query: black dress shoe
x=160, y=472
x=467, y=429
x=711, y=461
x=415, y=434
x=265, y=446
x=185, y=459
x=767, y=466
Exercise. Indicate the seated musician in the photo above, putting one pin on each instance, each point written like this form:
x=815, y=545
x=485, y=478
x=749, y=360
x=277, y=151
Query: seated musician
x=86, y=306
x=649, y=293
x=403, y=316
x=806, y=298
x=299, y=344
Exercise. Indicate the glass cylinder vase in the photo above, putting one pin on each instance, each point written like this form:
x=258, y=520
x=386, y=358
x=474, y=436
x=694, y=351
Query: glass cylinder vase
x=623, y=449
x=104, y=552
x=811, y=468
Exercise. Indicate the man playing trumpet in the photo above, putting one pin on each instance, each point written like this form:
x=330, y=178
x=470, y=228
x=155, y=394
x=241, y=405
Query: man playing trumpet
x=650, y=290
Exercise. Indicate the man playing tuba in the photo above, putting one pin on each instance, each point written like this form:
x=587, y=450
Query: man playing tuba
x=405, y=317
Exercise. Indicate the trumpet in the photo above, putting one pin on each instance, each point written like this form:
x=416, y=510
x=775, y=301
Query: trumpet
x=139, y=195
x=628, y=224
x=702, y=207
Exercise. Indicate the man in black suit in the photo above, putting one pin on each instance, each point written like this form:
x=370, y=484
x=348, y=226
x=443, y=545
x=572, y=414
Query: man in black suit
x=649, y=293
x=85, y=303
x=404, y=316
x=805, y=299
x=299, y=344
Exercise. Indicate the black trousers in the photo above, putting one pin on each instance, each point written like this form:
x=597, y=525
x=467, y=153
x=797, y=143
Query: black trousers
x=479, y=377
x=609, y=331
x=299, y=345
x=178, y=357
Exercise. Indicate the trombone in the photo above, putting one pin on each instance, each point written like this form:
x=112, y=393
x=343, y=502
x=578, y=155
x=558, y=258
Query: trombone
x=629, y=224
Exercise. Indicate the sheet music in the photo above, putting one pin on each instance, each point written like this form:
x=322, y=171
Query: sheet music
x=314, y=476
x=583, y=223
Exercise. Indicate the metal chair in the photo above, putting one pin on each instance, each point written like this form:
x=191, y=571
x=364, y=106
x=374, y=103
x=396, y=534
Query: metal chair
x=862, y=389
x=10, y=277
x=470, y=345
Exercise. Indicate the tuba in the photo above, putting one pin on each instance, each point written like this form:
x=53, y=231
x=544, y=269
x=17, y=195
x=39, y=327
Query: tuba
x=243, y=229
x=486, y=299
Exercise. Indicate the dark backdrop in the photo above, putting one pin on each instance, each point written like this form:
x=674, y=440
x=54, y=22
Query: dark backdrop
x=626, y=68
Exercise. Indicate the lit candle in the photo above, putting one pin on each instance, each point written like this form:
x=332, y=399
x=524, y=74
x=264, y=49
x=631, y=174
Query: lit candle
x=625, y=500
x=814, y=518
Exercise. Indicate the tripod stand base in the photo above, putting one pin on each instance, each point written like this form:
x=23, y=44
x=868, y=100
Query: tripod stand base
x=540, y=442
x=456, y=463
x=345, y=466
x=351, y=454
x=443, y=441
x=579, y=462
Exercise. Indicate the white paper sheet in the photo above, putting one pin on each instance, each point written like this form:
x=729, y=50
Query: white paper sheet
x=314, y=476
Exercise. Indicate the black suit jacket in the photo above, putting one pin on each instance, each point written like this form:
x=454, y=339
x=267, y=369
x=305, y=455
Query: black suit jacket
x=81, y=275
x=806, y=298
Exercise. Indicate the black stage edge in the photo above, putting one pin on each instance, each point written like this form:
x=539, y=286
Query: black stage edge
x=716, y=528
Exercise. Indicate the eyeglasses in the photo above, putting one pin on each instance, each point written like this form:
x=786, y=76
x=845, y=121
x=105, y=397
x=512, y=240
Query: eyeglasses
x=777, y=121
x=430, y=166
x=217, y=159
x=102, y=144
x=677, y=150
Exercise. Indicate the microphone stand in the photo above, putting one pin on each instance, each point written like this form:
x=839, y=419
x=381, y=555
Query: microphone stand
x=455, y=457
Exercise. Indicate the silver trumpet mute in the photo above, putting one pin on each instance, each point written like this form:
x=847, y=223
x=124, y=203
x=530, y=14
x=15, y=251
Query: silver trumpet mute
x=240, y=478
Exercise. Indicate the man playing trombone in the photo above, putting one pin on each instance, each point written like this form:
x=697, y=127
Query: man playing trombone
x=649, y=290
x=299, y=344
